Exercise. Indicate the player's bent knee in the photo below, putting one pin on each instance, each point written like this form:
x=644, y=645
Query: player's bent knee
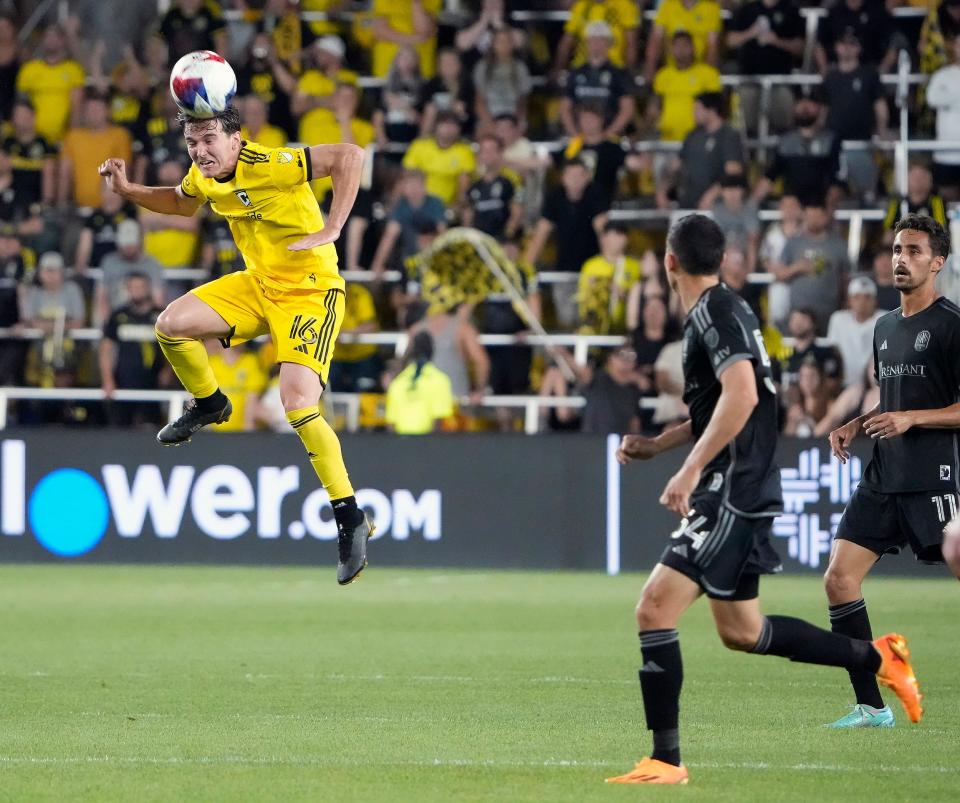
x=170, y=323
x=840, y=585
x=739, y=639
x=650, y=612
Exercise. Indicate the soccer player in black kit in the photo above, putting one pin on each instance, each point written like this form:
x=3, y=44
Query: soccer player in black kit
x=908, y=491
x=727, y=493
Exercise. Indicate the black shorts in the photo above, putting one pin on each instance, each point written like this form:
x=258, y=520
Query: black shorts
x=886, y=523
x=722, y=552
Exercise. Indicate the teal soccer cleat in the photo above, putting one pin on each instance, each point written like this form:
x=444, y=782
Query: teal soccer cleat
x=862, y=717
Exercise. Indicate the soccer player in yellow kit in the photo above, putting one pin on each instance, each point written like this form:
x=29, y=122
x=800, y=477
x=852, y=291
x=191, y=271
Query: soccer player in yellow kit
x=291, y=289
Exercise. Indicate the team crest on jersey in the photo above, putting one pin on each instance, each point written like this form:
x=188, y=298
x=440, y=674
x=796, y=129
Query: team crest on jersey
x=284, y=157
x=244, y=198
x=922, y=341
x=711, y=337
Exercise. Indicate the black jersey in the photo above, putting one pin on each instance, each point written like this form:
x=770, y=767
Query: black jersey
x=720, y=330
x=917, y=364
x=491, y=201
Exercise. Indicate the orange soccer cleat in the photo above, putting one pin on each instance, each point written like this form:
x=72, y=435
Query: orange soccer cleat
x=648, y=770
x=897, y=674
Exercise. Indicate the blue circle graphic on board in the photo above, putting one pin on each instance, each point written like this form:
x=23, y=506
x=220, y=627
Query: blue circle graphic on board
x=68, y=512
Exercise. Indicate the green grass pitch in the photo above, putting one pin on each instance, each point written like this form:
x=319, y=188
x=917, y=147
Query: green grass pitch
x=213, y=684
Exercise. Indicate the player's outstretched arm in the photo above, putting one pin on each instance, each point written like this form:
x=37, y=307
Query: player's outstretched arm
x=344, y=164
x=737, y=399
x=166, y=200
x=638, y=447
x=842, y=437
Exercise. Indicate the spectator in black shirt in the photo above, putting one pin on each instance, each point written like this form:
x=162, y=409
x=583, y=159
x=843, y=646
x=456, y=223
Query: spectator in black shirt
x=33, y=159
x=99, y=234
x=599, y=81
x=802, y=327
x=129, y=362
x=768, y=36
x=191, y=25
x=920, y=199
x=451, y=89
x=13, y=275
x=869, y=21
x=807, y=158
x=575, y=213
x=265, y=76
x=711, y=150
x=649, y=338
x=856, y=110
x=602, y=156
x=494, y=201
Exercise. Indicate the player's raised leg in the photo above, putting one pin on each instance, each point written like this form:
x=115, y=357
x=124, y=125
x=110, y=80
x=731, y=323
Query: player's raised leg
x=742, y=627
x=300, y=389
x=181, y=329
x=843, y=581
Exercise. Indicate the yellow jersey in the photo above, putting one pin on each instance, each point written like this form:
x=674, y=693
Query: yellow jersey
x=358, y=309
x=323, y=129
x=620, y=15
x=442, y=166
x=49, y=87
x=602, y=292
x=268, y=204
x=678, y=89
x=414, y=405
x=699, y=21
x=400, y=17
x=238, y=379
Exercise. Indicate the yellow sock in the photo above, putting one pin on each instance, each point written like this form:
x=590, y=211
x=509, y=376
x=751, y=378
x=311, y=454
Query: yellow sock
x=190, y=363
x=323, y=447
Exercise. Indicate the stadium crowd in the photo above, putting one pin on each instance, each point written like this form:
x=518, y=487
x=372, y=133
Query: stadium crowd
x=569, y=139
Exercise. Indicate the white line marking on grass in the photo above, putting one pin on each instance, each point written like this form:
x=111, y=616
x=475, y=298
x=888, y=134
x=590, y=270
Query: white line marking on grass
x=309, y=761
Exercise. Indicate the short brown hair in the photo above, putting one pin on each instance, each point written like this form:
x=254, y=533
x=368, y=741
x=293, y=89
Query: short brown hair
x=229, y=120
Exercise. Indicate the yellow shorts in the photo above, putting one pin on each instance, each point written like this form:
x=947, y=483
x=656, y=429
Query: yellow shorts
x=303, y=322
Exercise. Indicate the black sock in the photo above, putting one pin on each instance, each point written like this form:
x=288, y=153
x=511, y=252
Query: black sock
x=803, y=642
x=346, y=512
x=661, y=678
x=215, y=401
x=851, y=619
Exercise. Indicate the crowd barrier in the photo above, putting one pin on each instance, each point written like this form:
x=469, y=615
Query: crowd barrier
x=465, y=501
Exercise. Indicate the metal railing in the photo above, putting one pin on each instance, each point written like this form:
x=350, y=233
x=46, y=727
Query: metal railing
x=174, y=399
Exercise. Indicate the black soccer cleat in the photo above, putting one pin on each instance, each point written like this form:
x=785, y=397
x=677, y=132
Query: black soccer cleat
x=191, y=422
x=352, y=549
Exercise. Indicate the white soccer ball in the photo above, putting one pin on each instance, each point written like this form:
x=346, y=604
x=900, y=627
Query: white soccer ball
x=202, y=83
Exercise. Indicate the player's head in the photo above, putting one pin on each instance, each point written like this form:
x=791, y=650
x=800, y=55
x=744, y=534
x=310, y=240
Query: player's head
x=695, y=246
x=920, y=249
x=213, y=143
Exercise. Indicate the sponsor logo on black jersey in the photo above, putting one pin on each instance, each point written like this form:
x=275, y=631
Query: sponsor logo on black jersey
x=902, y=369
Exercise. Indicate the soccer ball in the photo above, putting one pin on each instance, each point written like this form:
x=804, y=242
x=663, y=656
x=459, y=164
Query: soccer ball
x=202, y=83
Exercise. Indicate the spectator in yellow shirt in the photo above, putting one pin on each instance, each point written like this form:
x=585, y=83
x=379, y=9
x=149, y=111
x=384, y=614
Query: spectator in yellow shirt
x=172, y=240
x=604, y=283
x=446, y=160
x=678, y=85
x=314, y=92
x=54, y=85
x=356, y=367
x=404, y=22
x=87, y=147
x=700, y=18
x=420, y=397
x=255, y=126
x=241, y=376
x=623, y=18
x=337, y=124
